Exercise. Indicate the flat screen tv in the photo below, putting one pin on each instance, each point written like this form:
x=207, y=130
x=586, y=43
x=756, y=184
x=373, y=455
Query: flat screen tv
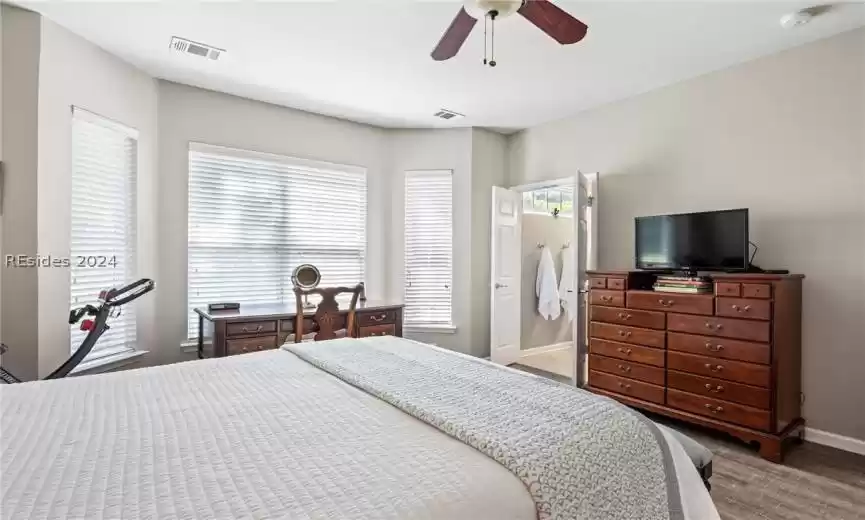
x=707, y=241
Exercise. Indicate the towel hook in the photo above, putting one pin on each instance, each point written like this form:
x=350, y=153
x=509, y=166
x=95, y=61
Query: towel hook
x=540, y=245
x=567, y=245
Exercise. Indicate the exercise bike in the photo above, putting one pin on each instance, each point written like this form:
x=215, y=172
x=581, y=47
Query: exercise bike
x=109, y=306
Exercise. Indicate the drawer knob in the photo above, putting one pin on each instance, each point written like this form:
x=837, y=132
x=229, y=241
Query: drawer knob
x=714, y=409
x=606, y=298
x=625, y=351
x=624, y=368
x=257, y=329
x=625, y=386
x=714, y=368
x=746, y=308
x=244, y=349
x=666, y=303
x=624, y=316
x=714, y=348
x=715, y=326
x=625, y=333
x=259, y=347
x=714, y=389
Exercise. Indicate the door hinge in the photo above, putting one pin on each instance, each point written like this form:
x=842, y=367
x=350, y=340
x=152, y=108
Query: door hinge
x=590, y=201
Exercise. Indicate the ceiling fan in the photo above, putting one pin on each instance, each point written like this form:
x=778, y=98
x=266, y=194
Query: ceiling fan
x=547, y=17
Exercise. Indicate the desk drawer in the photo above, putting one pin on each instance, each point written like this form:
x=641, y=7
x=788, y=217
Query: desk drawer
x=748, y=373
x=377, y=330
x=644, y=355
x=635, y=318
x=250, y=327
x=625, y=386
x=718, y=389
x=611, y=298
x=720, y=348
x=623, y=368
x=244, y=345
x=661, y=301
x=726, y=327
x=741, y=308
x=369, y=318
x=717, y=409
x=650, y=338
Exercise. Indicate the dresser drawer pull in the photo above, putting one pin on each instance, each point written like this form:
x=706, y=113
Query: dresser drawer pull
x=606, y=298
x=380, y=317
x=716, y=326
x=714, y=348
x=741, y=309
x=625, y=386
x=714, y=368
x=246, y=349
x=714, y=389
x=625, y=333
x=625, y=351
x=623, y=316
x=624, y=368
x=257, y=329
x=666, y=303
x=715, y=409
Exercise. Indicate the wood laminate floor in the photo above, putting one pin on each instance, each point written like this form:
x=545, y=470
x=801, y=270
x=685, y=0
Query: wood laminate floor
x=814, y=483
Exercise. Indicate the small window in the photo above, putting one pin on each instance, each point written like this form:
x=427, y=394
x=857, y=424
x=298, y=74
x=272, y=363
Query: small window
x=547, y=200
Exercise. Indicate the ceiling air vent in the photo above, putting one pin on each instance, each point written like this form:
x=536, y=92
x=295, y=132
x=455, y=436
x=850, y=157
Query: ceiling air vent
x=447, y=114
x=196, y=49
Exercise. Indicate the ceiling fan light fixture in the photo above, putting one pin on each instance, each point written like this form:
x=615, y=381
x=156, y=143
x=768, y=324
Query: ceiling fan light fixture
x=478, y=9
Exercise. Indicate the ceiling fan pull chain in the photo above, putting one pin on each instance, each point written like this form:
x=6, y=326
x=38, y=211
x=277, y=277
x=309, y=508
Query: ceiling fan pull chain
x=493, y=39
x=485, y=39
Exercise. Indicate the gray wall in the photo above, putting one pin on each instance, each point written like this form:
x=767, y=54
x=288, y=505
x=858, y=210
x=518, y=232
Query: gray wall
x=783, y=136
x=535, y=331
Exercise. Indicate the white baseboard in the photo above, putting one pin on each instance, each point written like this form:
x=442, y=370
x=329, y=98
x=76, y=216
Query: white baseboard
x=546, y=348
x=835, y=441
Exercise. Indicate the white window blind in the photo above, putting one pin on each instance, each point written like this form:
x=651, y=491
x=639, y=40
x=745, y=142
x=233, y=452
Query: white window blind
x=103, y=222
x=254, y=217
x=428, y=247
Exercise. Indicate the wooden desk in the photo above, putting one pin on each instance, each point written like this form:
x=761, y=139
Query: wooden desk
x=261, y=327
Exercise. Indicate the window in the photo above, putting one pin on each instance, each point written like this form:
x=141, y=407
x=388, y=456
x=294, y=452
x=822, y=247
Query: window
x=428, y=248
x=547, y=200
x=103, y=222
x=254, y=217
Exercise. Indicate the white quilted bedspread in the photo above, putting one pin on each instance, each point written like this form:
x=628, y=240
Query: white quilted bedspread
x=262, y=435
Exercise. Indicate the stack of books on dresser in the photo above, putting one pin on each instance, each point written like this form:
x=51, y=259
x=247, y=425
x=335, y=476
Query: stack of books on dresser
x=683, y=284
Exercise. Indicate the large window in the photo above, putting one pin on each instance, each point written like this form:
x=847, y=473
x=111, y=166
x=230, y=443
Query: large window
x=254, y=217
x=428, y=248
x=103, y=222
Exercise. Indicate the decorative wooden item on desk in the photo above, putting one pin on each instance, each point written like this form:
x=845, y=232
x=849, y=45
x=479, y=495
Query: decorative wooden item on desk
x=729, y=359
x=327, y=320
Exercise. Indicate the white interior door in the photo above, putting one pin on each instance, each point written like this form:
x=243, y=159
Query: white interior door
x=505, y=276
x=587, y=256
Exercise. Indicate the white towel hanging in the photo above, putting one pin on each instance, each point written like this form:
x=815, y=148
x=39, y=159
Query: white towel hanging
x=567, y=291
x=546, y=287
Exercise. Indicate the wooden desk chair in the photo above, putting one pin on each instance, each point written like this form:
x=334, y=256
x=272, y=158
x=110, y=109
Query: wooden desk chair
x=327, y=322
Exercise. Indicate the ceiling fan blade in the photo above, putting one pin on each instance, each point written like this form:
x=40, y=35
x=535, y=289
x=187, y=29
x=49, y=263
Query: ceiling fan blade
x=558, y=24
x=454, y=37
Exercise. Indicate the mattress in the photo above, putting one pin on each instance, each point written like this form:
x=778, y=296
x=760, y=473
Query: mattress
x=263, y=435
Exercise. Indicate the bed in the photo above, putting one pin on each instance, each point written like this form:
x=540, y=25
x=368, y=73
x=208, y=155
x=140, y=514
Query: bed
x=373, y=428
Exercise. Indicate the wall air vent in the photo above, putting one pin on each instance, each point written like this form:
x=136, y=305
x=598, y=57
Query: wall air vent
x=448, y=114
x=200, y=50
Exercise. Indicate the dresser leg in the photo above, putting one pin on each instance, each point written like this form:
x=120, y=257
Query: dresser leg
x=771, y=450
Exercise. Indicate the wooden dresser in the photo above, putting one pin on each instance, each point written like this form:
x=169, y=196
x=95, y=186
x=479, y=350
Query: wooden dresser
x=730, y=360
x=263, y=327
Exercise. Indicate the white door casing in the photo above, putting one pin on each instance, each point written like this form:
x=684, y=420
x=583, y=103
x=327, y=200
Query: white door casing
x=585, y=215
x=505, y=276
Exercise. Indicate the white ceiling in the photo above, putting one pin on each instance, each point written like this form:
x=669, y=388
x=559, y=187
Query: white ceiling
x=369, y=61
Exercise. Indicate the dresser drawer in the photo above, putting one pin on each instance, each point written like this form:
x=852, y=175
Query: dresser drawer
x=625, y=386
x=726, y=327
x=742, y=308
x=251, y=327
x=661, y=301
x=727, y=289
x=611, y=298
x=616, y=283
x=368, y=318
x=756, y=290
x=648, y=319
x=719, y=389
x=646, y=373
x=644, y=355
x=720, y=348
x=748, y=373
x=717, y=409
x=245, y=345
x=377, y=330
x=650, y=338
x=598, y=283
